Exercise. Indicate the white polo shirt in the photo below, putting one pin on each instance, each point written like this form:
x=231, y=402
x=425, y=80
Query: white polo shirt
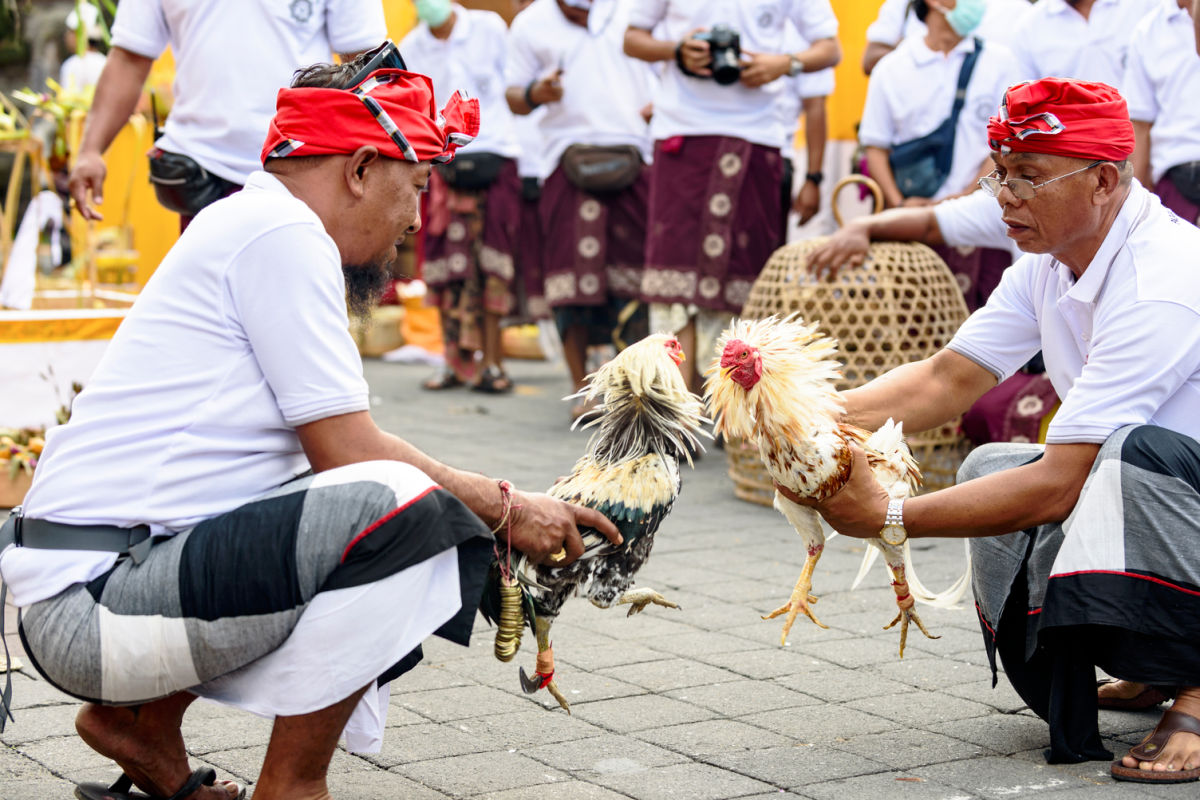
x=1053, y=40
x=896, y=21
x=231, y=59
x=240, y=336
x=911, y=93
x=687, y=106
x=1162, y=85
x=471, y=60
x=604, y=90
x=1121, y=344
x=975, y=220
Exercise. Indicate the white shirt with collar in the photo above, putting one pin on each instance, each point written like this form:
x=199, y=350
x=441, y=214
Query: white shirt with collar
x=897, y=21
x=232, y=57
x=1053, y=40
x=604, y=90
x=1121, y=344
x=1162, y=85
x=687, y=106
x=193, y=410
x=911, y=93
x=471, y=60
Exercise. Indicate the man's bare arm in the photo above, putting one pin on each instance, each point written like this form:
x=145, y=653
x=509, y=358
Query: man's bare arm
x=641, y=44
x=874, y=52
x=1141, y=153
x=922, y=395
x=541, y=527
x=848, y=246
x=117, y=94
x=1033, y=494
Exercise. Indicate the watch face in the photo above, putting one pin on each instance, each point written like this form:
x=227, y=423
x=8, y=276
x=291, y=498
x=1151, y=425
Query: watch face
x=893, y=535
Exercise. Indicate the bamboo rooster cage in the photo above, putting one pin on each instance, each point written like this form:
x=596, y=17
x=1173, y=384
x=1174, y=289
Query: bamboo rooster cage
x=902, y=304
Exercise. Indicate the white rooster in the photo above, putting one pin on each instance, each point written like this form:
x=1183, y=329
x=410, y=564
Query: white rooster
x=774, y=385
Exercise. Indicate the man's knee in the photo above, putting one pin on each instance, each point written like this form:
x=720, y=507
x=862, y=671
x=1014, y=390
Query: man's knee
x=1158, y=450
x=996, y=456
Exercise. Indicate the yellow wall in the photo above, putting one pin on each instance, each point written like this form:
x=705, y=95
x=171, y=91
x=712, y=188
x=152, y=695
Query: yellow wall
x=845, y=106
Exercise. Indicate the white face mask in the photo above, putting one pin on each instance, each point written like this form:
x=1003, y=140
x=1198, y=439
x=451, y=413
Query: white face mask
x=966, y=15
x=433, y=12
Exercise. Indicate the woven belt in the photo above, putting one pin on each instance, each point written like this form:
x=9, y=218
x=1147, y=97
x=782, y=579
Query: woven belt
x=45, y=535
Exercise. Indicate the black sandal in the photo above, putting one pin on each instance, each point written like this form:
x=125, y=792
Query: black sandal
x=446, y=379
x=120, y=790
x=493, y=381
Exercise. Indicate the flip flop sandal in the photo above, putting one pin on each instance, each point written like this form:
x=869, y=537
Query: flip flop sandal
x=1149, y=697
x=446, y=379
x=1151, y=748
x=120, y=790
x=493, y=381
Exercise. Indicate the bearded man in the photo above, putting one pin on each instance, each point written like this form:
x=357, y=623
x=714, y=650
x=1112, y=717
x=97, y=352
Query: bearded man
x=1083, y=548
x=173, y=545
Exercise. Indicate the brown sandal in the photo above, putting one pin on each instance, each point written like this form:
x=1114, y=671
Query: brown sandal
x=493, y=380
x=1151, y=748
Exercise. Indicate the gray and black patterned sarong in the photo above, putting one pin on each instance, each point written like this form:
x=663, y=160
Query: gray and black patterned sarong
x=283, y=606
x=1116, y=585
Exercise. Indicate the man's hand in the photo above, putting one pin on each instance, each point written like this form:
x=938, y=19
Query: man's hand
x=695, y=54
x=762, y=68
x=846, y=249
x=547, y=89
x=807, y=202
x=86, y=184
x=859, y=508
x=543, y=525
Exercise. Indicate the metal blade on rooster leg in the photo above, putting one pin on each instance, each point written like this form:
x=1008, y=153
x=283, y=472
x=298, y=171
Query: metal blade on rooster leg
x=645, y=422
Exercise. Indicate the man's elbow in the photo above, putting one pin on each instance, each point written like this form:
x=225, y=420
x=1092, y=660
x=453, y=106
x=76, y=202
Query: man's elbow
x=829, y=54
x=633, y=38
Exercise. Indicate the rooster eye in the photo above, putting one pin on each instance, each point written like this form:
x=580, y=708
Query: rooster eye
x=744, y=354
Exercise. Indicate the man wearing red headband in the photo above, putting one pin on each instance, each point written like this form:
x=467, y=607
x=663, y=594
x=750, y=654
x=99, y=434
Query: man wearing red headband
x=1102, y=569
x=221, y=516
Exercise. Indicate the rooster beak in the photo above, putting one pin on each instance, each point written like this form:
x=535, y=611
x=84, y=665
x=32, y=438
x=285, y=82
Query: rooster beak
x=682, y=357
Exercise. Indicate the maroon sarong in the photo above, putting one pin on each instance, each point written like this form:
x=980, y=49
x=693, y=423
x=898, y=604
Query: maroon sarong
x=1011, y=411
x=1173, y=199
x=532, y=299
x=593, y=243
x=977, y=270
x=714, y=220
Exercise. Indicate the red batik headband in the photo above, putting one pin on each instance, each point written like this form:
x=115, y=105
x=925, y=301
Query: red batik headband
x=391, y=109
x=1061, y=117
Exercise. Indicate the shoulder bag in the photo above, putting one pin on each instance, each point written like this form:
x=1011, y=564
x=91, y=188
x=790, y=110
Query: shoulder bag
x=920, y=166
x=602, y=168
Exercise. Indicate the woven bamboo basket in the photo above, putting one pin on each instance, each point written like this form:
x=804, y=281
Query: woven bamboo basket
x=902, y=304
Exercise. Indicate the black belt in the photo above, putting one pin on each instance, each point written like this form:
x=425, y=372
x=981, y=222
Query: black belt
x=45, y=535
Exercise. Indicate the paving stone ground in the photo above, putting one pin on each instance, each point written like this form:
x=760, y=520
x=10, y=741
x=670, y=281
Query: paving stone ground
x=697, y=704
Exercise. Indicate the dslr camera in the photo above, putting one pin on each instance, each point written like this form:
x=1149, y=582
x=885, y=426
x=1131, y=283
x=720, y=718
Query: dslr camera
x=725, y=45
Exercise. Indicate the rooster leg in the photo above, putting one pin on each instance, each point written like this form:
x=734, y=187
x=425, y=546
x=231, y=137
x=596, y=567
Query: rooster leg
x=638, y=599
x=904, y=598
x=800, y=599
x=543, y=677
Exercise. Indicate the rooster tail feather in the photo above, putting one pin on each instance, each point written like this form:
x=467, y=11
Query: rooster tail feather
x=947, y=598
x=868, y=561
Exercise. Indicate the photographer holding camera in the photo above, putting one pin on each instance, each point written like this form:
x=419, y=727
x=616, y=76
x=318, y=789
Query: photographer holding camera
x=715, y=208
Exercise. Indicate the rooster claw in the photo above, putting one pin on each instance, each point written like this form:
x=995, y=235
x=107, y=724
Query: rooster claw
x=903, y=618
x=638, y=599
x=530, y=685
x=793, y=609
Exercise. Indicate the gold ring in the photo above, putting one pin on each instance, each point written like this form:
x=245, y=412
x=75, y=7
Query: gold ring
x=560, y=555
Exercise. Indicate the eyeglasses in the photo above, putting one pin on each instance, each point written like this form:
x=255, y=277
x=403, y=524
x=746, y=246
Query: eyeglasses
x=385, y=56
x=1023, y=189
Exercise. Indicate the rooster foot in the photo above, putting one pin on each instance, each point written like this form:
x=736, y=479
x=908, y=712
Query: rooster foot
x=529, y=685
x=801, y=600
x=638, y=599
x=903, y=617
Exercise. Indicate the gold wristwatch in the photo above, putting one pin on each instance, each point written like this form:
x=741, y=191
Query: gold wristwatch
x=893, y=531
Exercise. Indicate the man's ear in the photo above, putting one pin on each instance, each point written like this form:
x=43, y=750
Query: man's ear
x=357, y=166
x=1108, y=181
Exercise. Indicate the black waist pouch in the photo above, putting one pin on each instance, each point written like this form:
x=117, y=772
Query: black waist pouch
x=182, y=185
x=472, y=171
x=1186, y=178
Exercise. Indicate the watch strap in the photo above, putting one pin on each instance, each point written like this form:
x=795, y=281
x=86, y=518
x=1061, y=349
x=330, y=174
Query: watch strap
x=895, y=512
x=815, y=177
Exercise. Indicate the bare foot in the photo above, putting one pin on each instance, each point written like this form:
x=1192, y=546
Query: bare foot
x=147, y=745
x=1120, y=690
x=1182, y=750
